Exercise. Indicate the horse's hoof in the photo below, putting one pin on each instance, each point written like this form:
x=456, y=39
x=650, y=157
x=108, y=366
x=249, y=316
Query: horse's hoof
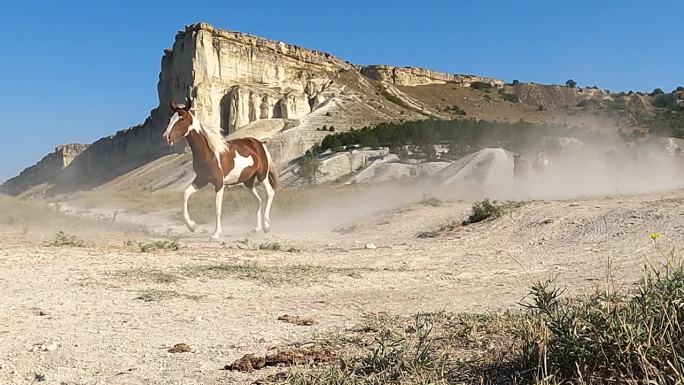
x=256, y=230
x=215, y=237
x=267, y=229
x=192, y=226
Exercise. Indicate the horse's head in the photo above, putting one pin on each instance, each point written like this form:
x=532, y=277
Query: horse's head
x=179, y=123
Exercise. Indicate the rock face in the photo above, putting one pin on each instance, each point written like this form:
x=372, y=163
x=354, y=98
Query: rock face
x=236, y=78
x=46, y=170
x=412, y=76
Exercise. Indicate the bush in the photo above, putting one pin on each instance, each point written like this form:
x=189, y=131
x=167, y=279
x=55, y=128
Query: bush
x=638, y=337
x=466, y=134
x=657, y=91
x=667, y=101
x=571, y=83
x=64, y=239
x=515, y=82
x=481, y=86
x=309, y=167
x=483, y=210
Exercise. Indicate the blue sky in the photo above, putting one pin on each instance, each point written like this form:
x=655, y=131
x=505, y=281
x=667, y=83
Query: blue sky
x=74, y=71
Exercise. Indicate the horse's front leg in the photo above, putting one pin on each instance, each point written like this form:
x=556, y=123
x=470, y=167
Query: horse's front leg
x=186, y=196
x=219, y=206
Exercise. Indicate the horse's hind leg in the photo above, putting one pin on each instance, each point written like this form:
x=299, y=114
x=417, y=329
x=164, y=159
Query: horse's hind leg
x=186, y=216
x=252, y=186
x=270, y=192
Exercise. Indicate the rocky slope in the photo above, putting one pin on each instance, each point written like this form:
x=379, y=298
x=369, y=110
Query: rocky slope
x=285, y=94
x=45, y=170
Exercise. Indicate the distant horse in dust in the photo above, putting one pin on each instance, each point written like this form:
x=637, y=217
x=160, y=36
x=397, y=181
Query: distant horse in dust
x=521, y=167
x=221, y=163
x=541, y=164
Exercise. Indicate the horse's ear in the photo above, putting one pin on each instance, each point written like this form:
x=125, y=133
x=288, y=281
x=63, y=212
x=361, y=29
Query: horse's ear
x=188, y=104
x=173, y=106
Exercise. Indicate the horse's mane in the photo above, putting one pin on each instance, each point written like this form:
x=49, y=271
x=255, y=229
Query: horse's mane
x=214, y=138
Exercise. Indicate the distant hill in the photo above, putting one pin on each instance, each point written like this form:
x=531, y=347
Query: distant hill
x=286, y=94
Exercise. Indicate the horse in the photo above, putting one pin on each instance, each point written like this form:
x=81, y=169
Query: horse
x=221, y=163
x=541, y=164
x=521, y=167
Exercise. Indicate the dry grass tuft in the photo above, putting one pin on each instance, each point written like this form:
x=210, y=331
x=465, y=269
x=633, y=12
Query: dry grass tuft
x=64, y=239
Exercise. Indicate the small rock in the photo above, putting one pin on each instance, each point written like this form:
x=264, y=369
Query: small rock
x=39, y=312
x=199, y=318
x=371, y=246
x=51, y=346
x=180, y=348
x=242, y=246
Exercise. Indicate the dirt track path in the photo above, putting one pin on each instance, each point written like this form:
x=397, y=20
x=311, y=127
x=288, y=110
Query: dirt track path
x=107, y=313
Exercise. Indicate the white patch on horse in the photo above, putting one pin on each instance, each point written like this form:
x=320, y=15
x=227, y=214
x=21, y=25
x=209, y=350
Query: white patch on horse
x=174, y=118
x=240, y=164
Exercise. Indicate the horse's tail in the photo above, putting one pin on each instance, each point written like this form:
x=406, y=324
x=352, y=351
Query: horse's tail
x=272, y=174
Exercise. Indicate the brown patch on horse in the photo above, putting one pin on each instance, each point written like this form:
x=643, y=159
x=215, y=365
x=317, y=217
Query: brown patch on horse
x=204, y=162
x=246, y=147
x=206, y=165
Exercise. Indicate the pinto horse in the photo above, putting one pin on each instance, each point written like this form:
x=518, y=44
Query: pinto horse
x=221, y=163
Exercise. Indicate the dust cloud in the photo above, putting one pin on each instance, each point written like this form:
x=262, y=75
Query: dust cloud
x=609, y=167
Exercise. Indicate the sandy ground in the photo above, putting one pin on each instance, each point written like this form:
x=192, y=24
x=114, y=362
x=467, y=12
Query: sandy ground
x=107, y=313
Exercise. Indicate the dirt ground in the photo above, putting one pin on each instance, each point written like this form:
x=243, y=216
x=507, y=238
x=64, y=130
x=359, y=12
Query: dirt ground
x=107, y=312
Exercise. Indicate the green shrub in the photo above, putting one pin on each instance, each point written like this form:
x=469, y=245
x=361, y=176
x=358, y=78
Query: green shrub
x=483, y=210
x=466, y=134
x=638, y=338
x=667, y=101
x=657, y=91
x=481, y=86
x=64, y=239
x=309, y=167
x=571, y=83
